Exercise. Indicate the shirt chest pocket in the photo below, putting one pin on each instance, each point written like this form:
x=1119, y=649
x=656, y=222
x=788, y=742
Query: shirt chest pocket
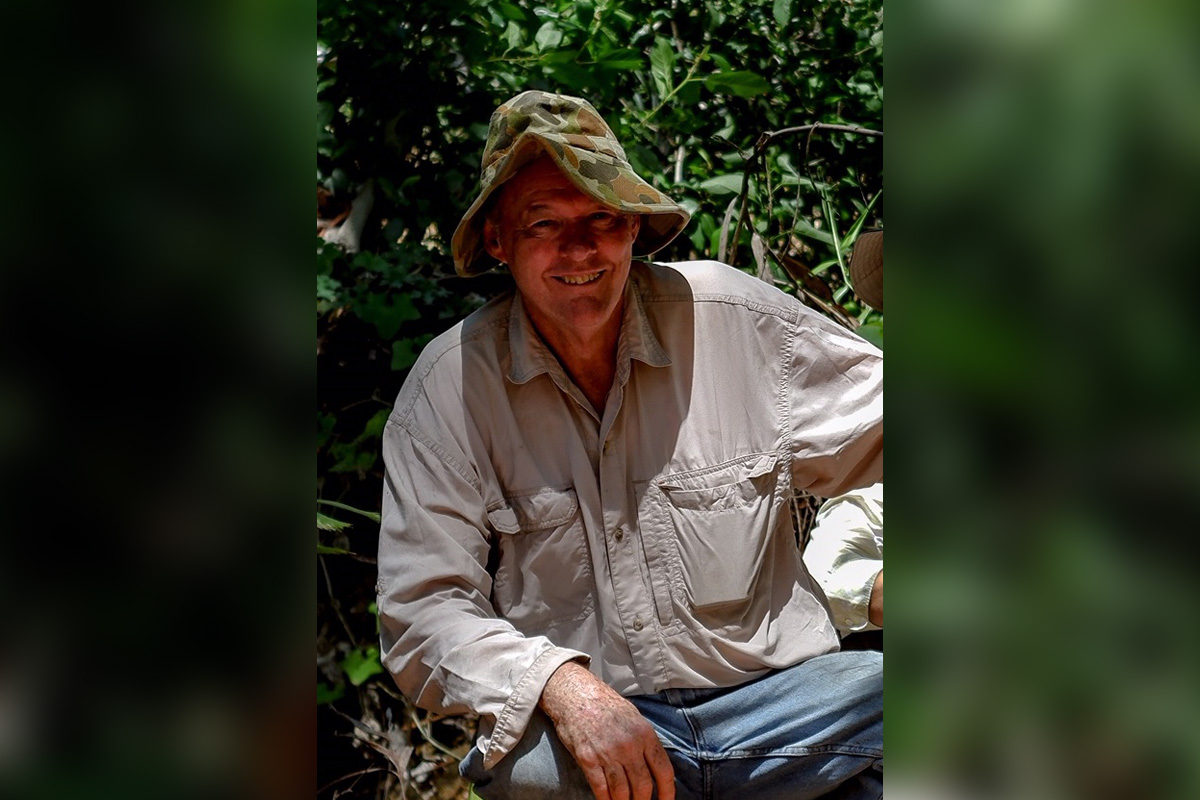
x=543, y=574
x=719, y=523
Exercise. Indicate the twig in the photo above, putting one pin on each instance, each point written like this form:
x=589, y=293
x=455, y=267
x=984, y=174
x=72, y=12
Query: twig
x=358, y=774
x=427, y=733
x=755, y=157
x=333, y=601
x=767, y=137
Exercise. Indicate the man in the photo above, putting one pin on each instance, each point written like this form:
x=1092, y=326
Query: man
x=585, y=536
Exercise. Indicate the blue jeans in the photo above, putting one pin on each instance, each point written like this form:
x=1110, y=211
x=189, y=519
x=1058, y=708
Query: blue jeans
x=812, y=730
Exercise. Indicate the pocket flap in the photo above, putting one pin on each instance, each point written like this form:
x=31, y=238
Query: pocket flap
x=546, y=508
x=742, y=470
x=729, y=486
x=504, y=520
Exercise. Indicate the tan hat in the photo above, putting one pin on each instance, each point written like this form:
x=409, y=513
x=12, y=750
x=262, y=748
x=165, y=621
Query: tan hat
x=866, y=268
x=572, y=133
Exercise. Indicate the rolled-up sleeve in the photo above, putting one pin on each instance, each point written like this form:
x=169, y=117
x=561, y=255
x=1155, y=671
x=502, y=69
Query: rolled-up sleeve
x=844, y=554
x=836, y=407
x=441, y=638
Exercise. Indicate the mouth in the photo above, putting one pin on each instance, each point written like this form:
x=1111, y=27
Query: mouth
x=580, y=280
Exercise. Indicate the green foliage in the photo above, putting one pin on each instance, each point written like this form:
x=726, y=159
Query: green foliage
x=361, y=663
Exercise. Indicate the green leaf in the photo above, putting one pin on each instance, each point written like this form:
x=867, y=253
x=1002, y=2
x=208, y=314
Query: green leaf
x=782, y=11
x=327, y=289
x=326, y=523
x=872, y=332
x=371, y=515
x=511, y=12
x=806, y=229
x=360, y=664
x=742, y=83
x=723, y=184
x=514, y=35
x=327, y=694
x=326, y=550
x=325, y=423
x=662, y=65
x=405, y=351
x=387, y=313
x=374, y=427
x=548, y=36
x=625, y=58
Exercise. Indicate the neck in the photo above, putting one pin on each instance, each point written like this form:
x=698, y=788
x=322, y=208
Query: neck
x=590, y=360
x=591, y=364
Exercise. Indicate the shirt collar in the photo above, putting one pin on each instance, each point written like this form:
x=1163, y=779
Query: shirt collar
x=530, y=356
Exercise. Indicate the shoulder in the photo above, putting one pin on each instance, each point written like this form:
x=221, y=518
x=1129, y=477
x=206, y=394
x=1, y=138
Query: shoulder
x=711, y=282
x=478, y=342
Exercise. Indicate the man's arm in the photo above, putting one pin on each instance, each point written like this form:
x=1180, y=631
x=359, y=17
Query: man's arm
x=440, y=636
x=845, y=556
x=836, y=407
x=612, y=742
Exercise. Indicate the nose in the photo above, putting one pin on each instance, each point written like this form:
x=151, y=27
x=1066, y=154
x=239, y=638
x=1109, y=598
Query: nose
x=578, y=241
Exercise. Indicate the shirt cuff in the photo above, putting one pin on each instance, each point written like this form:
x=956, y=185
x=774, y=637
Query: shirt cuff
x=850, y=600
x=514, y=717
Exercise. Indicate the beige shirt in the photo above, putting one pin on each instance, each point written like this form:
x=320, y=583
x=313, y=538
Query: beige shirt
x=845, y=553
x=521, y=529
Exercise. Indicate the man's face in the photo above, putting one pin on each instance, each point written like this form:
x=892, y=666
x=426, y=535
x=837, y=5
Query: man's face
x=568, y=253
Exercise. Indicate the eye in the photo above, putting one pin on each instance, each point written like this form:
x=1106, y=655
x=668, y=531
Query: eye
x=542, y=227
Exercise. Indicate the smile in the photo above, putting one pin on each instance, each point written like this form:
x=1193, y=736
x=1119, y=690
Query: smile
x=579, y=280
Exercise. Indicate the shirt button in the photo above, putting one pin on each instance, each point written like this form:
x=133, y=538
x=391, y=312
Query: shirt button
x=620, y=534
x=637, y=624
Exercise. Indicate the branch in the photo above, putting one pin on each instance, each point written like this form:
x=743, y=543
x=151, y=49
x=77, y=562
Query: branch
x=767, y=137
x=761, y=145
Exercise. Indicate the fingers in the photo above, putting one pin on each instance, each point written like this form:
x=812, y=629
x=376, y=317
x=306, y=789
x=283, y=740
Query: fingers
x=618, y=783
x=663, y=772
x=597, y=779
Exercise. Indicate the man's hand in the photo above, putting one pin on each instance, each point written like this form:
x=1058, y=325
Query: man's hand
x=875, y=607
x=612, y=742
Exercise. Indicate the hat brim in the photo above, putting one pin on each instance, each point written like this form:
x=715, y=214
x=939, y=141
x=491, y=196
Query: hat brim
x=662, y=218
x=866, y=268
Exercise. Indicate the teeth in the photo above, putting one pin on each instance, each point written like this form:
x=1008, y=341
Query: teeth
x=578, y=280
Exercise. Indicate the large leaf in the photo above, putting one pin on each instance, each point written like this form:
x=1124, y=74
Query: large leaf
x=548, y=36
x=371, y=515
x=327, y=523
x=806, y=229
x=662, y=65
x=782, y=11
x=723, y=184
x=872, y=332
x=742, y=83
x=386, y=313
x=625, y=58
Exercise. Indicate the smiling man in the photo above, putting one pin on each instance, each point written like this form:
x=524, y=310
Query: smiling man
x=585, y=535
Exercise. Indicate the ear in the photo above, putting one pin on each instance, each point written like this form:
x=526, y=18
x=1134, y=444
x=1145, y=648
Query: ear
x=635, y=227
x=491, y=241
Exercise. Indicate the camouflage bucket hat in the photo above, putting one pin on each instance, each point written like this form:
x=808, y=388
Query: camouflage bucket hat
x=574, y=135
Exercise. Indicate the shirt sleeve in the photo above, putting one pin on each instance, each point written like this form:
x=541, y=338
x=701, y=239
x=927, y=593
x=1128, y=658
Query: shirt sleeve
x=440, y=636
x=844, y=554
x=836, y=410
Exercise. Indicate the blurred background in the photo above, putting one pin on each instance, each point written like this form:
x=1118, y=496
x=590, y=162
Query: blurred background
x=1042, y=163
